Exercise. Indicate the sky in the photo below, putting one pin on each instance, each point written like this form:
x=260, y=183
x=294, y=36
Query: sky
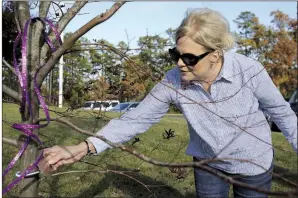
x=139, y=18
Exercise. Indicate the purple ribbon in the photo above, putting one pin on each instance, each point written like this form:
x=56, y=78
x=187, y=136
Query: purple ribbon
x=23, y=79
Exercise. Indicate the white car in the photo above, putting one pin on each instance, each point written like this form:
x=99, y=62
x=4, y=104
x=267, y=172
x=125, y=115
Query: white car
x=88, y=105
x=106, y=105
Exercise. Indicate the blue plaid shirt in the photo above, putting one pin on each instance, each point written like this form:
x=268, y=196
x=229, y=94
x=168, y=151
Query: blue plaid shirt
x=228, y=122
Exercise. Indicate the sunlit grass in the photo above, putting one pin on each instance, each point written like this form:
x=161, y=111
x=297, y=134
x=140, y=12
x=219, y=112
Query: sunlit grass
x=110, y=184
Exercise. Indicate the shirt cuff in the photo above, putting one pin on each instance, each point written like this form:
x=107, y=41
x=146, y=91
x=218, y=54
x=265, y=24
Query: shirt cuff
x=99, y=145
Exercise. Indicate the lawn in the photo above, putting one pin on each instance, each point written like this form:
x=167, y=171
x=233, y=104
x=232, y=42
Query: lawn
x=161, y=181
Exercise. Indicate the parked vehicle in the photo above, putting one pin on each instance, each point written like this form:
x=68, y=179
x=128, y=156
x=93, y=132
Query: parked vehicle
x=105, y=105
x=100, y=105
x=88, y=105
x=294, y=105
x=125, y=106
x=112, y=104
x=294, y=101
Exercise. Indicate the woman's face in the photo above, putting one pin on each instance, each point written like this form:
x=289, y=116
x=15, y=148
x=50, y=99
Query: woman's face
x=202, y=70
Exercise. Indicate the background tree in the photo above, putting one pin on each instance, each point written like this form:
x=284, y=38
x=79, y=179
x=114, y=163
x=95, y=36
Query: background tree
x=246, y=21
x=274, y=46
x=154, y=54
x=281, y=63
x=9, y=33
x=77, y=71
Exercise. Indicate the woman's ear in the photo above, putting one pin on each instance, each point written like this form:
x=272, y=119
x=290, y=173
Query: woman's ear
x=215, y=56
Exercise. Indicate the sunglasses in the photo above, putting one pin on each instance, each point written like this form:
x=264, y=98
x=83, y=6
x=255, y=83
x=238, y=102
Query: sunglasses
x=188, y=59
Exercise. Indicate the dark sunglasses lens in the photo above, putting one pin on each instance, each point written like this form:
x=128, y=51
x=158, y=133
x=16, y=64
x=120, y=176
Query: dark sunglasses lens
x=174, y=54
x=189, y=59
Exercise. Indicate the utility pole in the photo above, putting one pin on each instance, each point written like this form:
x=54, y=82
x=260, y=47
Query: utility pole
x=61, y=76
x=61, y=64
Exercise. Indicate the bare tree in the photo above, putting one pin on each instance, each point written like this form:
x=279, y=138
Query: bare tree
x=36, y=56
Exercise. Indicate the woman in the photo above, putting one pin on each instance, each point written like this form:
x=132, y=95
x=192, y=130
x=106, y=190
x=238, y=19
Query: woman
x=223, y=96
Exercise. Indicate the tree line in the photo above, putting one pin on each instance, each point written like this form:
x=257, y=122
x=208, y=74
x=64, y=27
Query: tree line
x=92, y=71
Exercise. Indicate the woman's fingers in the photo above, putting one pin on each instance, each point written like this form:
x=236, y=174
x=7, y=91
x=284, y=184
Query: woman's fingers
x=68, y=161
x=54, y=149
x=53, y=156
x=60, y=155
x=57, y=153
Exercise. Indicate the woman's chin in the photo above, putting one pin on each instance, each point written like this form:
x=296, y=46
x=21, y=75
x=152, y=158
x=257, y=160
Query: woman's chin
x=185, y=78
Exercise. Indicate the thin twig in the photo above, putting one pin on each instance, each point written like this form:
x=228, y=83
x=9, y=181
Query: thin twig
x=9, y=66
x=9, y=141
x=104, y=171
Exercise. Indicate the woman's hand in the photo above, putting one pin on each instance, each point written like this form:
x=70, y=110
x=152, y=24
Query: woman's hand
x=59, y=155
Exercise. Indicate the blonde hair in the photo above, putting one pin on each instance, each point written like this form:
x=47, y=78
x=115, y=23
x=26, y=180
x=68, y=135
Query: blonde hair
x=208, y=28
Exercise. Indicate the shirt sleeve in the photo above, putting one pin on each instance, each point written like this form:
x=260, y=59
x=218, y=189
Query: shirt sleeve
x=148, y=112
x=274, y=105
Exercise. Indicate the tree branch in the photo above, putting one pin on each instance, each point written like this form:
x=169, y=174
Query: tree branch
x=12, y=142
x=74, y=37
x=121, y=48
x=9, y=66
x=101, y=48
x=44, y=8
x=62, y=13
x=23, y=13
x=11, y=93
x=16, y=17
x=199, y=165
x=70, y=14
x=62, y=23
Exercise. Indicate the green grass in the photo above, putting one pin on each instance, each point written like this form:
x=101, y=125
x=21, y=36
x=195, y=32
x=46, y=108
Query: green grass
x=166, y=183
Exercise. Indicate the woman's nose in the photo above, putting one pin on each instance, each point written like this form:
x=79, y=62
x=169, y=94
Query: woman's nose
x=180, y=63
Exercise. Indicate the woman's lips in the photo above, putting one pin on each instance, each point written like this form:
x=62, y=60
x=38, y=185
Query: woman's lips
x=184, y=72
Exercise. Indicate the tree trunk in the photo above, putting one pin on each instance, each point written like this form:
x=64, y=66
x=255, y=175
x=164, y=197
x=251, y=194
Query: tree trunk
x=28, y=186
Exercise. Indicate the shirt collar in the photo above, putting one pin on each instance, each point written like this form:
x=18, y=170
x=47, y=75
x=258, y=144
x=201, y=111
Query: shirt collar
x=226, y=71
